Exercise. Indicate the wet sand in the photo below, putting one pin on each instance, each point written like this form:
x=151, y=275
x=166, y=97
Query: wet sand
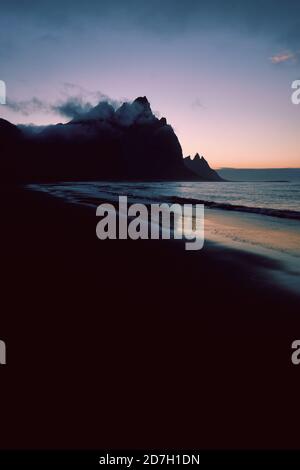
x=138, y=344
x=273, y=238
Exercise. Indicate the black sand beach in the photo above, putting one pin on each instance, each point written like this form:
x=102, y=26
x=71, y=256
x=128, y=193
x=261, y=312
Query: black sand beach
x=132, y=344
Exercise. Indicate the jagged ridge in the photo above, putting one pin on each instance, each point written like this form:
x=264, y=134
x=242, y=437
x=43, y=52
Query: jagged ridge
x=201, y=168
x=101, y=143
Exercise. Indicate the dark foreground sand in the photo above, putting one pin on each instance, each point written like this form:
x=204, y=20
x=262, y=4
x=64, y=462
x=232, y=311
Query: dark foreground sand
x=131, y=344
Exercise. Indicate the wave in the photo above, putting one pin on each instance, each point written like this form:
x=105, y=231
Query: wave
x=80, y=195
x=282, y=213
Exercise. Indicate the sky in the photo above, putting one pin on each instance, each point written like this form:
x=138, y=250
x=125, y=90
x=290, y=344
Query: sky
x=220, y=71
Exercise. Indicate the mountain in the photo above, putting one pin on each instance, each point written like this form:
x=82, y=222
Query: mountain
x=10, y=141
x=201, y=168
x=8, y=131
x=129, y=143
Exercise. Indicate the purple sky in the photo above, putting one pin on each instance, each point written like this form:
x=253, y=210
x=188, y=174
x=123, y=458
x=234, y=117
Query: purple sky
x=221, y=72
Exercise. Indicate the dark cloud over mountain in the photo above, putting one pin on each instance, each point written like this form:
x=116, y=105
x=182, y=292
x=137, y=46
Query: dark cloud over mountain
x=99, y=142
x=27, y=107
x=72, y=107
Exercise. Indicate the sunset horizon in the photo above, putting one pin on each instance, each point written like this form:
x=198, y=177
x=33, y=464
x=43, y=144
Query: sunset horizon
x=31, y=107
x=225, y=91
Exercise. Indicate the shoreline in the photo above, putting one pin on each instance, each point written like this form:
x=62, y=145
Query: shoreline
x=53, y=220
x=108, y=329
x=104, y=188
x=267, y=237
x=67, y=222
x=252, y=233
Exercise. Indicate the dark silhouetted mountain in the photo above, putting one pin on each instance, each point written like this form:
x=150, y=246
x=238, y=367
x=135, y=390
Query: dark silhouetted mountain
x=201, y=168
x=8, y=132
x=129, y=143
x=10, y=144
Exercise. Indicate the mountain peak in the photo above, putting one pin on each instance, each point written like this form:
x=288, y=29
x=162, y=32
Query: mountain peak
x=201, y=168
x=201, y=160
x=143, y=101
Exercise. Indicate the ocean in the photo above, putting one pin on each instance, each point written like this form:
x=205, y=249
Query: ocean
x=262, y=219
x=274, y=199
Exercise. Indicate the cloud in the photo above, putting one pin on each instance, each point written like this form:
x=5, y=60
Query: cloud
x=78, y=91
x=77, y=103
x=89, y=122
x=27, y=107
x=282, y=57
x=73, y=107
x=278, y=20
x=77, y=108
